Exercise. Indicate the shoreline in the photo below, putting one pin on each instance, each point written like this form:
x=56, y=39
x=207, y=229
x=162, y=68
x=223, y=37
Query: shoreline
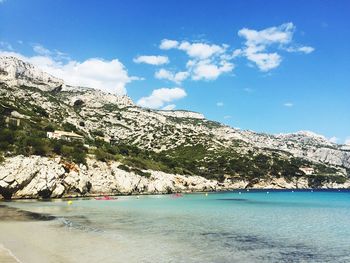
x=6, y=255
x=243, y=190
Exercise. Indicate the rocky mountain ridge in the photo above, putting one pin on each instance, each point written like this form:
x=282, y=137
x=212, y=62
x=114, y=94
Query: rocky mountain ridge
x=16, y=72
x=41, y=98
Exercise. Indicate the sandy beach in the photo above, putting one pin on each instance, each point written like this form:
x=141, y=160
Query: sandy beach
x=6, y=256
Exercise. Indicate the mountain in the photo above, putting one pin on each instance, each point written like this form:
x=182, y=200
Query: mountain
x=14, y=72
x=143, y=141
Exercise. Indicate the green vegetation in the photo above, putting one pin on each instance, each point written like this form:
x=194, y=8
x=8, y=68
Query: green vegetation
x=318, y=180
x=98, y=133
x=29, y=138
x=71, y=151
x=69, y=127
x=124, y=168
x=24, y=141
x=104, y=156
x=40, y=111
x=199, y=159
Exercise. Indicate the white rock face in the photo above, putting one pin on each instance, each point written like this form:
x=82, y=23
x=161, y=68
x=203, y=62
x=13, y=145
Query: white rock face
x=41, y=177
x=97, y=99
x=281, y=183
x=16, y=72
x=35, y=177
x=29, y=176
x=182, y=114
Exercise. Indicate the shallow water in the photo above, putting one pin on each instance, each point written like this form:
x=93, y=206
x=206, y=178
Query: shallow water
x=255, y=226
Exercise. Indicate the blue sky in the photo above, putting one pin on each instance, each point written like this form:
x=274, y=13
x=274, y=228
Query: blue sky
x=267, y=66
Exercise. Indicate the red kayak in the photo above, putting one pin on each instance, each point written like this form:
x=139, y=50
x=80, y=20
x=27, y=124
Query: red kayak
x=106, y=198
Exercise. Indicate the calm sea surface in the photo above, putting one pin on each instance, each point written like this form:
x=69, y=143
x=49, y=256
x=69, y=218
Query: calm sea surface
x=255, y=226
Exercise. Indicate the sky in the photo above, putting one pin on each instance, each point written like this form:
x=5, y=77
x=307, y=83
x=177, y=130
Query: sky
x=267, y=66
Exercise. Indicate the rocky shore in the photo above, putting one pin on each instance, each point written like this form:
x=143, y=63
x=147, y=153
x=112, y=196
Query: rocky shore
x=42, y=177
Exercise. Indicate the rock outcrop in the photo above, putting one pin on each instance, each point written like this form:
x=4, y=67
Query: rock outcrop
x=14, y=71
x=41, y=177
x=182, y=114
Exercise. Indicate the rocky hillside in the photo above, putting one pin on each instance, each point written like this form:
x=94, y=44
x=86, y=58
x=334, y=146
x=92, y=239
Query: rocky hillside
x=175, y=142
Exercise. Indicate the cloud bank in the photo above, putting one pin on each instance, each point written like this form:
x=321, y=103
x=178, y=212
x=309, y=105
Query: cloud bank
x=107, y=75
x=206, y=61
x=174, y=77
x=257, y=44
x=152, y=60
x=159, y=97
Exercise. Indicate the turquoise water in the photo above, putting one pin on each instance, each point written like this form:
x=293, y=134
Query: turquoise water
x=279, y=226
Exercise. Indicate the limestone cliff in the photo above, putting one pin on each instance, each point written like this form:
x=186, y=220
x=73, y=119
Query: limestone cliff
x=41, y=177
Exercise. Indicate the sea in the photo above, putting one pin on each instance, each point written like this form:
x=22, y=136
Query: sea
x=237, y=226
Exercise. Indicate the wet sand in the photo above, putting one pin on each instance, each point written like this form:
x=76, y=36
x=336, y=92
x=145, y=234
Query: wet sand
x=8, y=214
x=6, y=256
x=13, y=214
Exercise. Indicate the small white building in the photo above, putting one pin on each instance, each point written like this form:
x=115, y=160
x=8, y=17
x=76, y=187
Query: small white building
x=307, y=170
x=63, y=135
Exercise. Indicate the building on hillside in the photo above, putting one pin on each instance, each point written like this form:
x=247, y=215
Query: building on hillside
x=63, y=135
x=12, y=121
x=307, y=170
x=13, y=118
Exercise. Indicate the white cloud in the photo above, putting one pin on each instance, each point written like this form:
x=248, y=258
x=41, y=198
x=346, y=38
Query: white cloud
x=152, y=60
x=110, y=76
x=237, y=52
x=258, y=42
x=347, y=141
x=306, y=49
x=208, y=70
x=169, y=107
x=226, y=117
x=220, y=104
x=201, y=50
x=207, y=61
x=264, y=61
x=39, y=49
x=161, y=96
x=334, y=139
x=174, y=77
x=288, y=104
x=303, y=49
x=281, y=35
x=107, y=75
x=168, y=44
